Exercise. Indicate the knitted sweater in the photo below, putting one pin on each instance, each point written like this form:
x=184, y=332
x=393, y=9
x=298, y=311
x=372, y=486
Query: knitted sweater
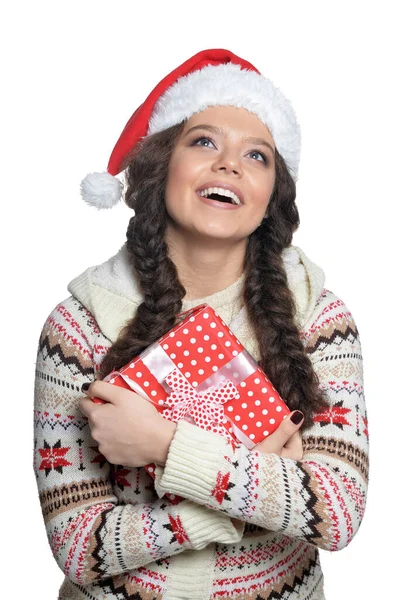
x=111, y=529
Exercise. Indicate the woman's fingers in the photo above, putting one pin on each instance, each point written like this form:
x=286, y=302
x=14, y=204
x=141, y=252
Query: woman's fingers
x=279, y=438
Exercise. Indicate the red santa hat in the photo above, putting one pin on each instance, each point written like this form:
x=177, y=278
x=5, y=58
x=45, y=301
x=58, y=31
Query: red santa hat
x=210, y=78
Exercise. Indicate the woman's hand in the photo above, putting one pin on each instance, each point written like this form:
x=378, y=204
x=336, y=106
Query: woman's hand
x=286, y=441
x=129, y=430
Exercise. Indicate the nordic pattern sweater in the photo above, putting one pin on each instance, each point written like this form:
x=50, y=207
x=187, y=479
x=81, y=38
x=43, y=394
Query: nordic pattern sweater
x=111, y=529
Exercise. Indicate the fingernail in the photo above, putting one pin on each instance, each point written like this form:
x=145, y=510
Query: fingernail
x=297, y=417
x=85, y=387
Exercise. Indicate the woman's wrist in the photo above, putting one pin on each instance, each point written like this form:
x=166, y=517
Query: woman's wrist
x=163, y=440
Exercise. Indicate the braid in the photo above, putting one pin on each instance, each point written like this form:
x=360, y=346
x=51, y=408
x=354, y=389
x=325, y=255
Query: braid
x=271, y=306
x=154, y=270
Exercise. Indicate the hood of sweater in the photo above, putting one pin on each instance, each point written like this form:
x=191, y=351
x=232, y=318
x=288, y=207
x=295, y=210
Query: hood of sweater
x=110, y=292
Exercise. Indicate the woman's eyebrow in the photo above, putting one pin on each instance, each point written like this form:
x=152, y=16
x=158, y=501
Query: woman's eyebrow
x=250, y=140
x=210, y=128
x=258, y=142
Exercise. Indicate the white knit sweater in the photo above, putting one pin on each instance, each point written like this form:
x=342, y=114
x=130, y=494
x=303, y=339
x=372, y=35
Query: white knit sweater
x=115, y=535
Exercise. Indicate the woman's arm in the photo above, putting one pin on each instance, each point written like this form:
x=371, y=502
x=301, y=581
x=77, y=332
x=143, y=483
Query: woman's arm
x=320, y=499
x=93, y=535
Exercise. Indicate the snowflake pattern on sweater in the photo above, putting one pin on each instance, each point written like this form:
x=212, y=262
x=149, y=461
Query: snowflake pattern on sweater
x=250, y=525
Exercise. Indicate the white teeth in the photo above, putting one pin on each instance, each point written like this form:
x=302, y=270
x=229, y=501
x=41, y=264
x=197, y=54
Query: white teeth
x=222, y=192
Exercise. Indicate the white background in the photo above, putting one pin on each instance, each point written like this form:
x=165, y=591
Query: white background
x=72, y=74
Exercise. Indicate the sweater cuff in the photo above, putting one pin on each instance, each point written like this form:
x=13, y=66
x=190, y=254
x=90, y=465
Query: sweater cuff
x=194, y=458
x=204, y=526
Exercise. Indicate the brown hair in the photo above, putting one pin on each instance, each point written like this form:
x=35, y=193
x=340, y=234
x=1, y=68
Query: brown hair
x=268, y=299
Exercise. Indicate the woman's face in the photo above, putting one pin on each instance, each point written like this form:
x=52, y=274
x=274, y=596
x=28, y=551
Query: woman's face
x=221, y=175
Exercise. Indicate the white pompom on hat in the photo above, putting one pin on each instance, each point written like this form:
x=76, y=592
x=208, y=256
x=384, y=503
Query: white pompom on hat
x=210, y=78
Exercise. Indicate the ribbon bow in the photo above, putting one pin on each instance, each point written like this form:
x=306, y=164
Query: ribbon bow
x=205, y=408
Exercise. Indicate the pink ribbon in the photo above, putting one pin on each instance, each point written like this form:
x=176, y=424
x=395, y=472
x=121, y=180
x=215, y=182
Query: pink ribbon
x=205, y=408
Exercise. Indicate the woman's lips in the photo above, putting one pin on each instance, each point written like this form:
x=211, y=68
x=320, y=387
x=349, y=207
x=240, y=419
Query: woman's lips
x=217, y=204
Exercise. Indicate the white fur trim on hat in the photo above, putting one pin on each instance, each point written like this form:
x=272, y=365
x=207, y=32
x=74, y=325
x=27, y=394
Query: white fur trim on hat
x=230, y=85
x=101, y=190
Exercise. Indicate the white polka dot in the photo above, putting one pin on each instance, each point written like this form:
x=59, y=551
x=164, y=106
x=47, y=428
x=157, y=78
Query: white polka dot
x=214, y=369
x=112, y=380
x=132, y=365
x=257, y=402
x=264, y=411
x=252, y=436
x=179, y=343
x=264, y=390
x=200, y=349
x=265, y=433
x=180, y=365
x=237, y=417
x=173, y=356
x=235, y=352
x=186, y=353
x=244, y=405
x=172, y=334
x=193, y=340
x=185, y=331
x=172, y=496
x=207, y=359
x=272, y=421
x=251, y=415
x=271, y=399
x=205, y=315
x=161, y=402
x=139, y=374
x=194, y=362
x=257, y=380
x=230, y=430
x=221, y=356
x=243, y=384
x=192, y=319
x=213, y=325
x=153, y=393
x=278, y=408
x=258, y=424
x=213, y=347
x=230, y=408
x=200, y=371
x=194, y=383
x=146, y=383
x=250, y=394
x=236, y=374
x=220, y=333
x=227, y=344
x=198, y=328
x=206, y=337
x=187, y=374
x=245, y=427
x=150, y=469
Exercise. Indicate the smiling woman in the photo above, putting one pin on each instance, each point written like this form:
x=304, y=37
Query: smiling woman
x=210, y=159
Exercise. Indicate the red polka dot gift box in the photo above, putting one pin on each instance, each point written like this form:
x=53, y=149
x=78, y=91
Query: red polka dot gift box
x=200, y=372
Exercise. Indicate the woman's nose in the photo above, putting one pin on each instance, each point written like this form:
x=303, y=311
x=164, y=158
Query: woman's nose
x=228, y=162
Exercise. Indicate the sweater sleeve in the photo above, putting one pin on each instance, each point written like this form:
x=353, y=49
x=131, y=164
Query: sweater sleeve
x=94, y=532
x=320, y=499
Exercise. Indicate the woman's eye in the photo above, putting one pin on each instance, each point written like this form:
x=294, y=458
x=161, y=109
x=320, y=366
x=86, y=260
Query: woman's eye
x=258, y=156
x=203, y=141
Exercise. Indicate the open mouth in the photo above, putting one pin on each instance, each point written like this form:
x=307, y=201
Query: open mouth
x=221, y=195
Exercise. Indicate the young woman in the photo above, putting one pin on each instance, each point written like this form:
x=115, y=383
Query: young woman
x=211, y=159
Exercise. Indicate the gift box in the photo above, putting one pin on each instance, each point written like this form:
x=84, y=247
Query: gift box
x=199, y=371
